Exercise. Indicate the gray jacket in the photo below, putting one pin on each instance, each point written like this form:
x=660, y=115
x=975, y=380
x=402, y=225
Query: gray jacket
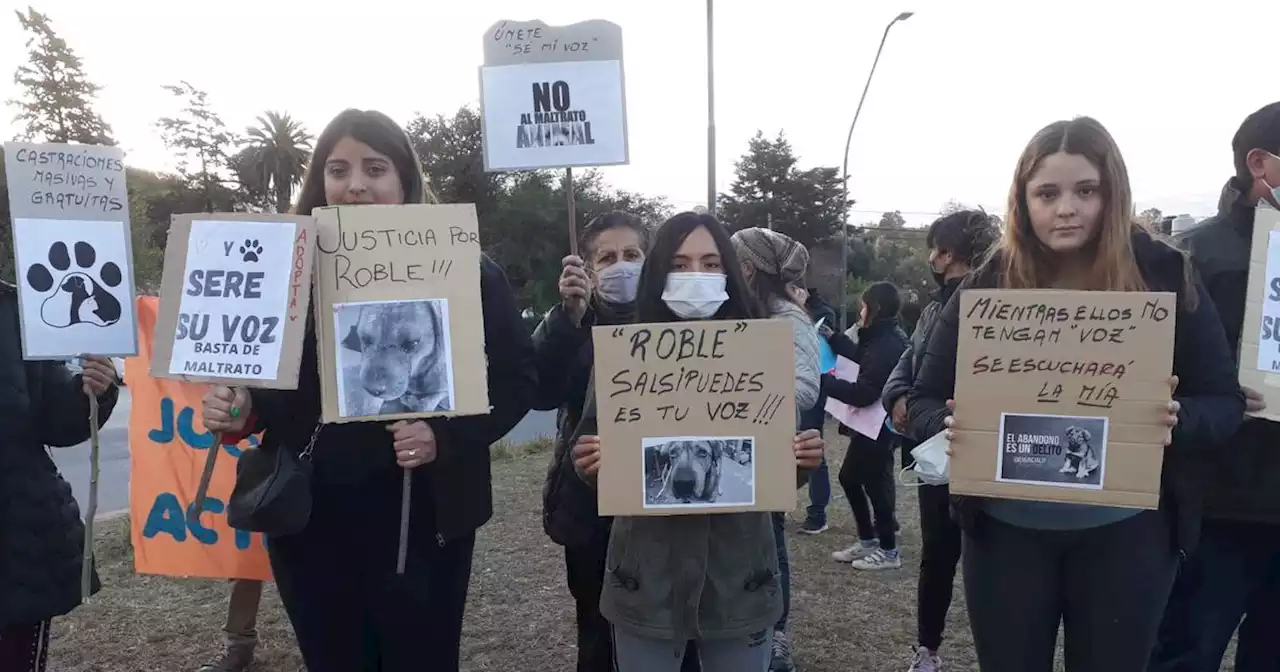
x=677, y=578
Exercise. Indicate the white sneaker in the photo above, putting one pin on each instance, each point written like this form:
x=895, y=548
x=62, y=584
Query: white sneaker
x=855, y=552
x=877, y=560
x=926, y=661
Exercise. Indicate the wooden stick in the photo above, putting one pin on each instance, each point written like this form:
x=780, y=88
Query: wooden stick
x=405, y=493
x=202, y=490
x=571, y=204
x=86, y=565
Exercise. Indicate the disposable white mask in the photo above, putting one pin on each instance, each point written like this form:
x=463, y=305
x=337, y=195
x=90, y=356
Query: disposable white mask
x=932, y=464
x=695, y=296
x=619, y=282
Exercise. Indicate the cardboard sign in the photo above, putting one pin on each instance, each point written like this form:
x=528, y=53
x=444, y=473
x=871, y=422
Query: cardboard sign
x=167, y=450
x=553, y=96
x=72, y=249
x=234, y=299
x=399, y=325
x=692, y=418
x=1061, y=395
x=1260, y=335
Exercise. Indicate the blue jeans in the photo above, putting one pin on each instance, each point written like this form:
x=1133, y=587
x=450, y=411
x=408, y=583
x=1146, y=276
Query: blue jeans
x=784, y=567
x=1234, y=574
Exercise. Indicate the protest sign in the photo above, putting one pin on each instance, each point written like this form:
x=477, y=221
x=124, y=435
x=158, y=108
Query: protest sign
x=553, y=96
x=72, y=249
x=693, y=420
x=1062, y=395
x=399, y=325
x=234, y=299
x=1260, y=334
x=166, y=452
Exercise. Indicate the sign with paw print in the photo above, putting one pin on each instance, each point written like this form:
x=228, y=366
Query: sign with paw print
x=234, y=299
x=72, y=251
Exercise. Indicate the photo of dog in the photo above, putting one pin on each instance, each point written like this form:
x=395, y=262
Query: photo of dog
x=393, y=357
x=697, y=471
x=1080, y=458
x=1063, y=451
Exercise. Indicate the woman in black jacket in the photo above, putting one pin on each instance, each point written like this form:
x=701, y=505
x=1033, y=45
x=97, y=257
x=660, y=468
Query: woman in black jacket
x=867, y=473
x=41, y=535
x=337, y=577
x=1104, y=572
x=599, y=289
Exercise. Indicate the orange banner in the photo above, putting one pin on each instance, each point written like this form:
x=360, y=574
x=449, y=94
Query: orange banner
x=168, y=446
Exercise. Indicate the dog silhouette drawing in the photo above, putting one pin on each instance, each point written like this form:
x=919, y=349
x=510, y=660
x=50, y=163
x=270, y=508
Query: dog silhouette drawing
x=1080, y=458
x=692, y=471
x=403, y=358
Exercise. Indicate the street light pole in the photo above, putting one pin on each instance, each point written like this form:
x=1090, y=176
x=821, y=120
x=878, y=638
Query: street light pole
x=844, y=238
x=711, y=112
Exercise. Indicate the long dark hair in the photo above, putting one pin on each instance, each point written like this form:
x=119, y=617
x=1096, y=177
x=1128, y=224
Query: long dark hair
x=650, y=307
x=384, y=136
x=882, y=301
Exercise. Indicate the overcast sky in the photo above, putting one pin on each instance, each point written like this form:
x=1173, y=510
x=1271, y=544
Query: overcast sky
x=960, y=88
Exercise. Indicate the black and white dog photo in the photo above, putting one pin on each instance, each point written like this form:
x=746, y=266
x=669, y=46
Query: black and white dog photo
x=393, y=357
x=1079, y=458
x=698, y=471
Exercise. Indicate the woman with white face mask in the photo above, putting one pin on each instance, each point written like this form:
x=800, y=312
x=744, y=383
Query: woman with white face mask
x=714, y=578
x=598, y=288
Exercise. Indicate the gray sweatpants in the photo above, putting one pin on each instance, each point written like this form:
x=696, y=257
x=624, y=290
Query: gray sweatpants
x=639, y=654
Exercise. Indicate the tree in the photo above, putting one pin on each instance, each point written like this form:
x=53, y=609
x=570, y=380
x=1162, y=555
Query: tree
x=892, y=220
x=275, y=157
x=1151, y=217
x=451, y=152
x=769, y=190
x=198, y=133
x=56, y=104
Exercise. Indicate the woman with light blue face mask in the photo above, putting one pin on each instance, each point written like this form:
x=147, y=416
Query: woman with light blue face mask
x=598, y=288
x=711, y=579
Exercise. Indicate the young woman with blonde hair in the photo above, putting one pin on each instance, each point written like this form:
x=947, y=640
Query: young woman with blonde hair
x=1103, y=572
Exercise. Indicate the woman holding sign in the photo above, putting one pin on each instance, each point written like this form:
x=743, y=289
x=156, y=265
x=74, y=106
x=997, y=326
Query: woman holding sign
x=712, y=575
x=338, y=577
x=1104, y=572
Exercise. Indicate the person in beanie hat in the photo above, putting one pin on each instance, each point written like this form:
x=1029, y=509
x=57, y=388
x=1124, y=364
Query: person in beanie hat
x=771, y=264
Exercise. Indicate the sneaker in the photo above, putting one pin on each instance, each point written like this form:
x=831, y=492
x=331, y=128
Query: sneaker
x=926, y=661
x=812, y=526
x=237, y=658
x=879, y=559
x=856, y=552
x=781, y=661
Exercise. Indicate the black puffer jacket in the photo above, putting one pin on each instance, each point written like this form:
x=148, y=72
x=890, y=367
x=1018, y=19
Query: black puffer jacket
x=876, y=353
x=41, y=536
x=1212, y=405
x=358, y=452
x=1243, y=483
x=565, y=359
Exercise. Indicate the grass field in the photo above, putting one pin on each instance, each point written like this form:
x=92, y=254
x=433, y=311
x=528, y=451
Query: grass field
x=520, y=616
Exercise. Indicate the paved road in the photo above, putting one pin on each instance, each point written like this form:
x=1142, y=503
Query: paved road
x=113, y=464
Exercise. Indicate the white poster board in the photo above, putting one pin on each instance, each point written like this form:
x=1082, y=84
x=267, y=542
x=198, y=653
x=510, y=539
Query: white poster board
x=72, y=250
x=553, y=96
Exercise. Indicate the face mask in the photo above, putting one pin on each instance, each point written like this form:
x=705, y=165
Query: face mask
x=695, y=296
x=932, y=464
x=619, y=282
x=1275, y=191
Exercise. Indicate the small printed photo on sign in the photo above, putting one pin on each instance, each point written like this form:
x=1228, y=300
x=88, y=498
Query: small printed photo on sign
x=699, y=471
x=393, y=357
x=77, y=293
x=1057, y=450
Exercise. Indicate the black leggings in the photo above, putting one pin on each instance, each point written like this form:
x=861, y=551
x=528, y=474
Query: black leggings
x=867, y=478
x=939, y=557
x=349, y=609
x=1107, y=585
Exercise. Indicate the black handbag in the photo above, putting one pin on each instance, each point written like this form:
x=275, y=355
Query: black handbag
x=272, y=494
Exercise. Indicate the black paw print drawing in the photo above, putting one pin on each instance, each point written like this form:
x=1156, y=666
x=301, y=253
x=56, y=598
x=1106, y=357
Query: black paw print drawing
x=251, y=250
x=80, y=295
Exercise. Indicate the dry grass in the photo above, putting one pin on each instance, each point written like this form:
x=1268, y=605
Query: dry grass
x=520, y=616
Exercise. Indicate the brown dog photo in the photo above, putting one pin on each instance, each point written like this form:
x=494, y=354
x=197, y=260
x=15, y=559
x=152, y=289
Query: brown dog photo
x=393, y=357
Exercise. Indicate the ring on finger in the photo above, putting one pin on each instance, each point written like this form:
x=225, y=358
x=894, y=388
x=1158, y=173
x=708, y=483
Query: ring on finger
x=413, y=453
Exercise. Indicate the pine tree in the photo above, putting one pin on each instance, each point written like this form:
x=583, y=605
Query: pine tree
x=57, y=97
